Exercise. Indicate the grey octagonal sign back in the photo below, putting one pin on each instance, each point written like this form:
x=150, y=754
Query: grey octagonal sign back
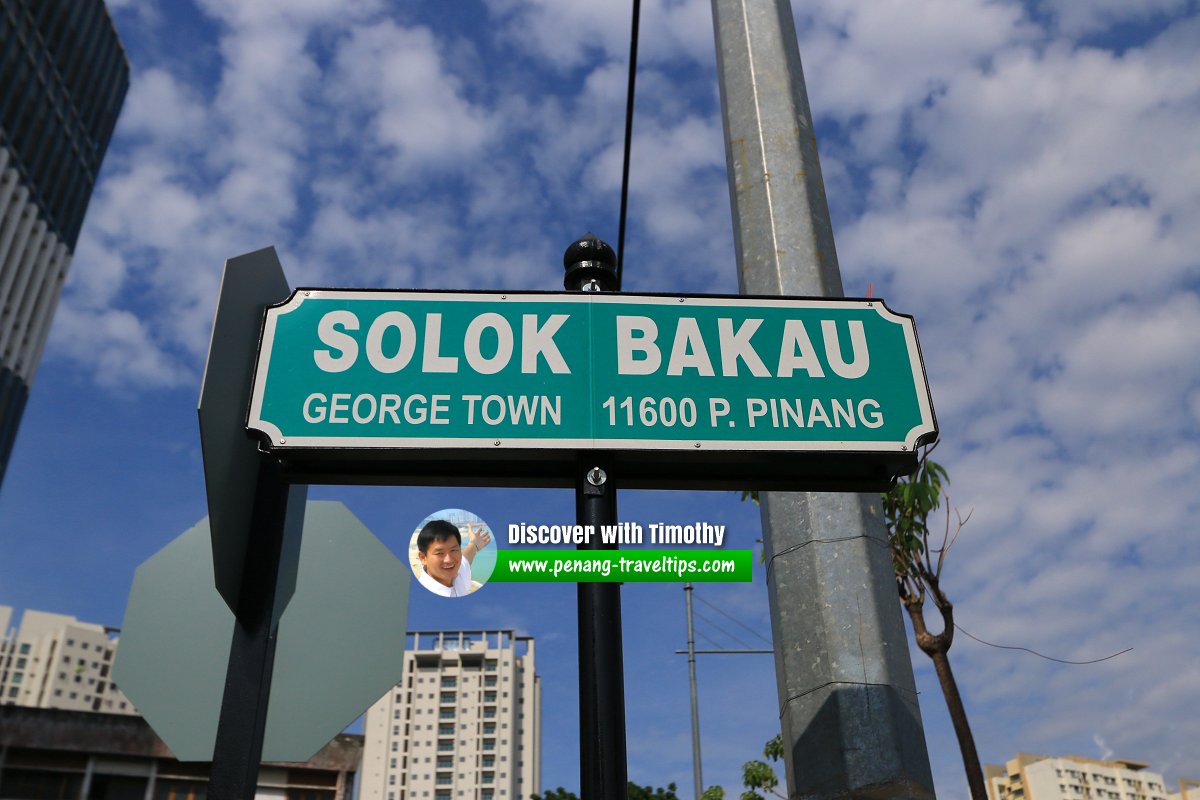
x=346, y=619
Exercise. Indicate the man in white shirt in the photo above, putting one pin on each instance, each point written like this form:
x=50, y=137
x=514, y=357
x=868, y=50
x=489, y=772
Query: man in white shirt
x=445, y=563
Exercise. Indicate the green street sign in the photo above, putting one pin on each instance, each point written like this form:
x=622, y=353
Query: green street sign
x=515, y=384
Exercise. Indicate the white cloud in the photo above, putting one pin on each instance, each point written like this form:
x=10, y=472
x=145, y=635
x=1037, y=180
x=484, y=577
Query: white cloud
x=1127, y=375
x=161, y=108
x=416, y=108
x=1073, y=18
x=117, y=349
x=568, y=34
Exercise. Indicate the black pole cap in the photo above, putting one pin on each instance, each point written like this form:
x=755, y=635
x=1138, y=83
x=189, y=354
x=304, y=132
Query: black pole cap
x=590, y=266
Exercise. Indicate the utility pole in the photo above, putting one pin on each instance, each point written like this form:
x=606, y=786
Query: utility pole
x=691, y=653
x=848, y=705
x=697, y=778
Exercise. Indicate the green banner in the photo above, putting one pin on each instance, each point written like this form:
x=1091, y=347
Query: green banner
x=623, y=566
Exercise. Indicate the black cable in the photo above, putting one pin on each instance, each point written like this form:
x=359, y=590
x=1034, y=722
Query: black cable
x=733, y=619
x=633, y=43
x=795, y=547
x=722, y=630
x=1040, y=655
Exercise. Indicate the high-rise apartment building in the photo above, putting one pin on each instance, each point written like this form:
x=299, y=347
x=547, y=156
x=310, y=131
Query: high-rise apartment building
x=1034, y=777
x=56, y=661
x=464, y=723
x=63, y=77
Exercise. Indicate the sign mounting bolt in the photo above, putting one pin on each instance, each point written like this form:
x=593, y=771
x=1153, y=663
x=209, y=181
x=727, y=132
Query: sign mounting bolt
x=497, y=443
x=596, y=476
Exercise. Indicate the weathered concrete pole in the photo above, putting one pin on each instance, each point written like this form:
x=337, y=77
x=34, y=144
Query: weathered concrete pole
x=848, y=703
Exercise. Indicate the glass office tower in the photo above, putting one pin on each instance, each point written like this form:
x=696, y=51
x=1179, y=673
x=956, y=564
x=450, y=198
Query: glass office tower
x=63, y=77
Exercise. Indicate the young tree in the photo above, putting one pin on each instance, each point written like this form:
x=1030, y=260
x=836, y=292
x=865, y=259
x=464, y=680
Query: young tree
x=918, y=566
x=758, y=776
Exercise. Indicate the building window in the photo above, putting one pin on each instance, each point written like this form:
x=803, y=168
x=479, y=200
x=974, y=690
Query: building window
x=449, y=681
x=445, y=746
x=489, y=777
x=445, y=713
x=24, y=648
x=489, y=680
x=448, y=697
x=445, y=730
x=489, y=665
x=488, y=761
x=489, y=744
x=445, y=762
x=489, y=727
x=489, y=713
x=20, y=663
x=444, y=778
x=489, y=697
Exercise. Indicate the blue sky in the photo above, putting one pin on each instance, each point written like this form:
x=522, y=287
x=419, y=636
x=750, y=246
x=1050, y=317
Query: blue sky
x=1021, y=177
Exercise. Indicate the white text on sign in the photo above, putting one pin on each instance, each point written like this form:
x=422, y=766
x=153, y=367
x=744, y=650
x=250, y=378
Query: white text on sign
x=638, y=351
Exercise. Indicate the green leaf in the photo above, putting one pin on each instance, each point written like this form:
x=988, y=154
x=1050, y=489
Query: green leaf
x=774, y=748
x=759, y=775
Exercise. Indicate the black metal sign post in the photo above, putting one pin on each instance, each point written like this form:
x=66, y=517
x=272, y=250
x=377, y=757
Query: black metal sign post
x=239, y=744
x=603, y=769
x=256, y=518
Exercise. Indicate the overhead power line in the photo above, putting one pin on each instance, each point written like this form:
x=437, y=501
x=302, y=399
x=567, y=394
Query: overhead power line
x=633, y=45
x=728, y=616
x=1041, y=655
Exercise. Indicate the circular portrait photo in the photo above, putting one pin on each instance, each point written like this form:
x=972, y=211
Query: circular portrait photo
x=452, y=552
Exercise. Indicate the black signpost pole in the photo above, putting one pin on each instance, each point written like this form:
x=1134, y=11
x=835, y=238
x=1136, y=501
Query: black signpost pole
x=255, y=517
x=603, y=770
x=239, y=744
